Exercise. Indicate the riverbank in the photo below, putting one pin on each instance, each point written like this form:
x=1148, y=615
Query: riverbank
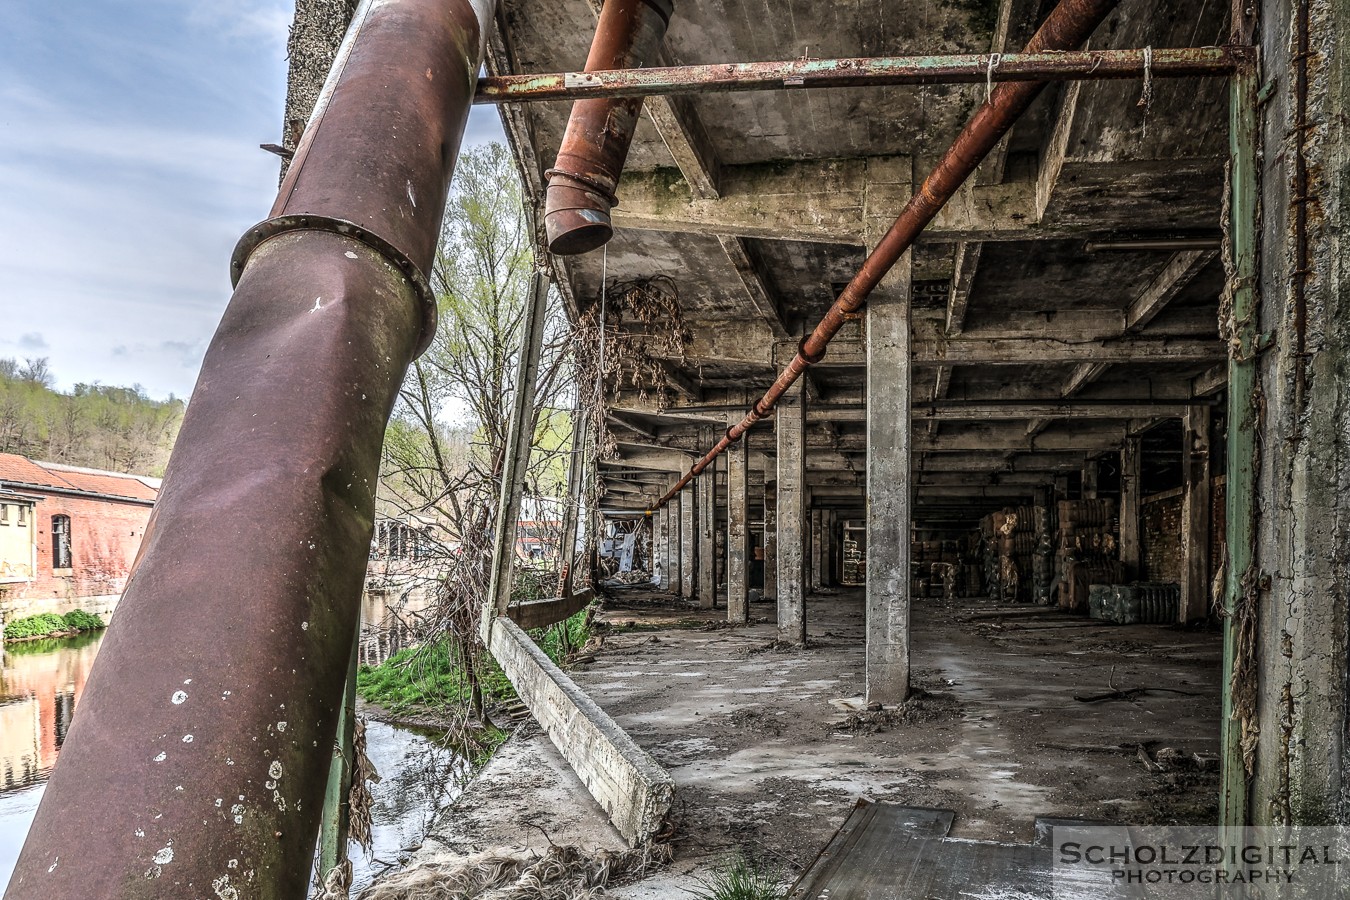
x=52, y=625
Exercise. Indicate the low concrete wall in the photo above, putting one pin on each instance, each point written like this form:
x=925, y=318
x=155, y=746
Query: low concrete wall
x=542, y=613
x=634, y=791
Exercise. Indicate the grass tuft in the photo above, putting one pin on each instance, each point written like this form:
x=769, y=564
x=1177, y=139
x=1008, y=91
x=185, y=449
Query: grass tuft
x=739, y=880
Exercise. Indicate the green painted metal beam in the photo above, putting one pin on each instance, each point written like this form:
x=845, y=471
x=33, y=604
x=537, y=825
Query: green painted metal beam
x=335, y=826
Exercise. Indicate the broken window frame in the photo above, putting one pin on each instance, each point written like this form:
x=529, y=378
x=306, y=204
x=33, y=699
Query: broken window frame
x=62, y=550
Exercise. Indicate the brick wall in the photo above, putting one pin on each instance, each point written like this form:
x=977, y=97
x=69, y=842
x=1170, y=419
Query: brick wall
x=104, y=538
x=1161, y=551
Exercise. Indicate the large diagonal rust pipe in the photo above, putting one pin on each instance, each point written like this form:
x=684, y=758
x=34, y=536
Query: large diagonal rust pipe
x=197, y=760
x=582, y=182
x=1068, y=25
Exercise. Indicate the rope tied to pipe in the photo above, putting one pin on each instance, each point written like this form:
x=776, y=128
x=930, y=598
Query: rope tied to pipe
x=1146, y=98
x=994, y=60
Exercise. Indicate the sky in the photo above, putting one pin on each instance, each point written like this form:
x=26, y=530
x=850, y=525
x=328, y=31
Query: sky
x=129, y=167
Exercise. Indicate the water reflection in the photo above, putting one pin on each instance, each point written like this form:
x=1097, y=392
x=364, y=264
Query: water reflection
x=391, y=621
x=420, y=776
x=41, y=683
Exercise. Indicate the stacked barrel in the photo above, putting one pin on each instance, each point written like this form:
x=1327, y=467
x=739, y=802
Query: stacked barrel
x=934, y=568
x=1013, y=539
x=1088, y=550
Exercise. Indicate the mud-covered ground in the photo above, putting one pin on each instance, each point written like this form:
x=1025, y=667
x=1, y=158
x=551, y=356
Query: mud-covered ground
x=765, y=762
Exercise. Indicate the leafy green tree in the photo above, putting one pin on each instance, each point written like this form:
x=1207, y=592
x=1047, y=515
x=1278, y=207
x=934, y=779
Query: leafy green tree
x=445, y=446
x=99, y=426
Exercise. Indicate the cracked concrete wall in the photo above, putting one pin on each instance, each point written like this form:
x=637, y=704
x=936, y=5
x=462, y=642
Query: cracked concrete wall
x=1303, y=528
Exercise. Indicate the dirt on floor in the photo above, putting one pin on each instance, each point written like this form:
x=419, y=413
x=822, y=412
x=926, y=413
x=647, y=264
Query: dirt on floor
x=1016, y=712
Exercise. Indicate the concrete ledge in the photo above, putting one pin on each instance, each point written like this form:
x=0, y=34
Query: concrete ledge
x=542, y=613
x=630, y=787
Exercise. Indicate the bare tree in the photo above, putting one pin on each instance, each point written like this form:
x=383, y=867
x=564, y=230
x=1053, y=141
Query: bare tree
x=443, y=455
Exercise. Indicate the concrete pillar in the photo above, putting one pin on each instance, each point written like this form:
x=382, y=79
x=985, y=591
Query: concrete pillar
x=791, y=518
x=817, y=551
x=770, y=540
x=663, y=548
x=706, y=557
x=1196, y=514
x=832, y=518
x=738, y=527
x=1130, y=507
x=517, y=460
x=675, y=542
x=1293, y=585
x=1090, y=473
x=888, y=492
x=688, y=541
x=889, y=394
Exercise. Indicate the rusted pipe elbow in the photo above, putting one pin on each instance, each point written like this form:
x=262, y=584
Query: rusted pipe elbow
x=583, y=181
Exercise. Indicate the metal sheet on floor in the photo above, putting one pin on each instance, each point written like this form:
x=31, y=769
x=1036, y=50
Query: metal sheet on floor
x=888, y=852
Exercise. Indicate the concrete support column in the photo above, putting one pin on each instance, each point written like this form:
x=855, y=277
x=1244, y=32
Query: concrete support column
x=1130, y=507
x=1090, y=474
x=817, y=551
x=770, y=540
x=1196, y=514
x=791, y=519
x=675, y=541
x=889, y=394
x=829, y=549
x=1289, y=466
x=738, y=527
x=688, y=541
x=706, y=557
x=662, y=548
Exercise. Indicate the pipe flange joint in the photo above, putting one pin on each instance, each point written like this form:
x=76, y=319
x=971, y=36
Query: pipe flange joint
x=259, y=234
x=585, y=181
x=663, y=8
x=731, y=438
x=808, y=358
x=761, y=410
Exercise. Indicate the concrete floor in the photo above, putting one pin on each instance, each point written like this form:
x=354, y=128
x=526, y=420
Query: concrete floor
x=767, y=765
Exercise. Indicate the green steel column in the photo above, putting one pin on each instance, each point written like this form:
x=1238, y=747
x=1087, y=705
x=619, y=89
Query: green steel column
x=1240, y=512
x=335, y=826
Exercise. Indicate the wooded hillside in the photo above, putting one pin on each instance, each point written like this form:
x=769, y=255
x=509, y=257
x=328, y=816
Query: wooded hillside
x=117, y=428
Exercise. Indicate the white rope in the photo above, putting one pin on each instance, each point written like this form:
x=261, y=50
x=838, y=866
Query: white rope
x=994, y=60
x=1146, y=99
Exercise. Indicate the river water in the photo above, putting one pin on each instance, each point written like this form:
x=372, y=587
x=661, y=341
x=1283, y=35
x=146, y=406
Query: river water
x=40, y=685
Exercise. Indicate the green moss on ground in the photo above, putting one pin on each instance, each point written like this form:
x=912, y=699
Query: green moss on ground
x=433, y=675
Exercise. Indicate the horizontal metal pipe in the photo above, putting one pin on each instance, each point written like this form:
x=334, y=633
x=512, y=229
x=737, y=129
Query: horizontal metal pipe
x=1068, y=25
x=965, y=68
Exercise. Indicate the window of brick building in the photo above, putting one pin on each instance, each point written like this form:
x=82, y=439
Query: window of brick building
x=60, y=542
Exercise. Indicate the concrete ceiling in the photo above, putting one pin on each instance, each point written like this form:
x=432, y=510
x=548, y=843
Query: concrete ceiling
x=757, y=207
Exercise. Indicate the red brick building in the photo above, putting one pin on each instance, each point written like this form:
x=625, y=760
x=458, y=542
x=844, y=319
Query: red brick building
x=68, y=535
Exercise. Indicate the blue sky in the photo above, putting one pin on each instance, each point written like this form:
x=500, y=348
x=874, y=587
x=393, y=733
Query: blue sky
x=129, y=166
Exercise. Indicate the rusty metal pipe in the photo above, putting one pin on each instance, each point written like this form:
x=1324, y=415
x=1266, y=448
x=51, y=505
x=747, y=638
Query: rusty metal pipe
x=1068, y=25
x=802, y=74
x=197, y=762
x=583, y=181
